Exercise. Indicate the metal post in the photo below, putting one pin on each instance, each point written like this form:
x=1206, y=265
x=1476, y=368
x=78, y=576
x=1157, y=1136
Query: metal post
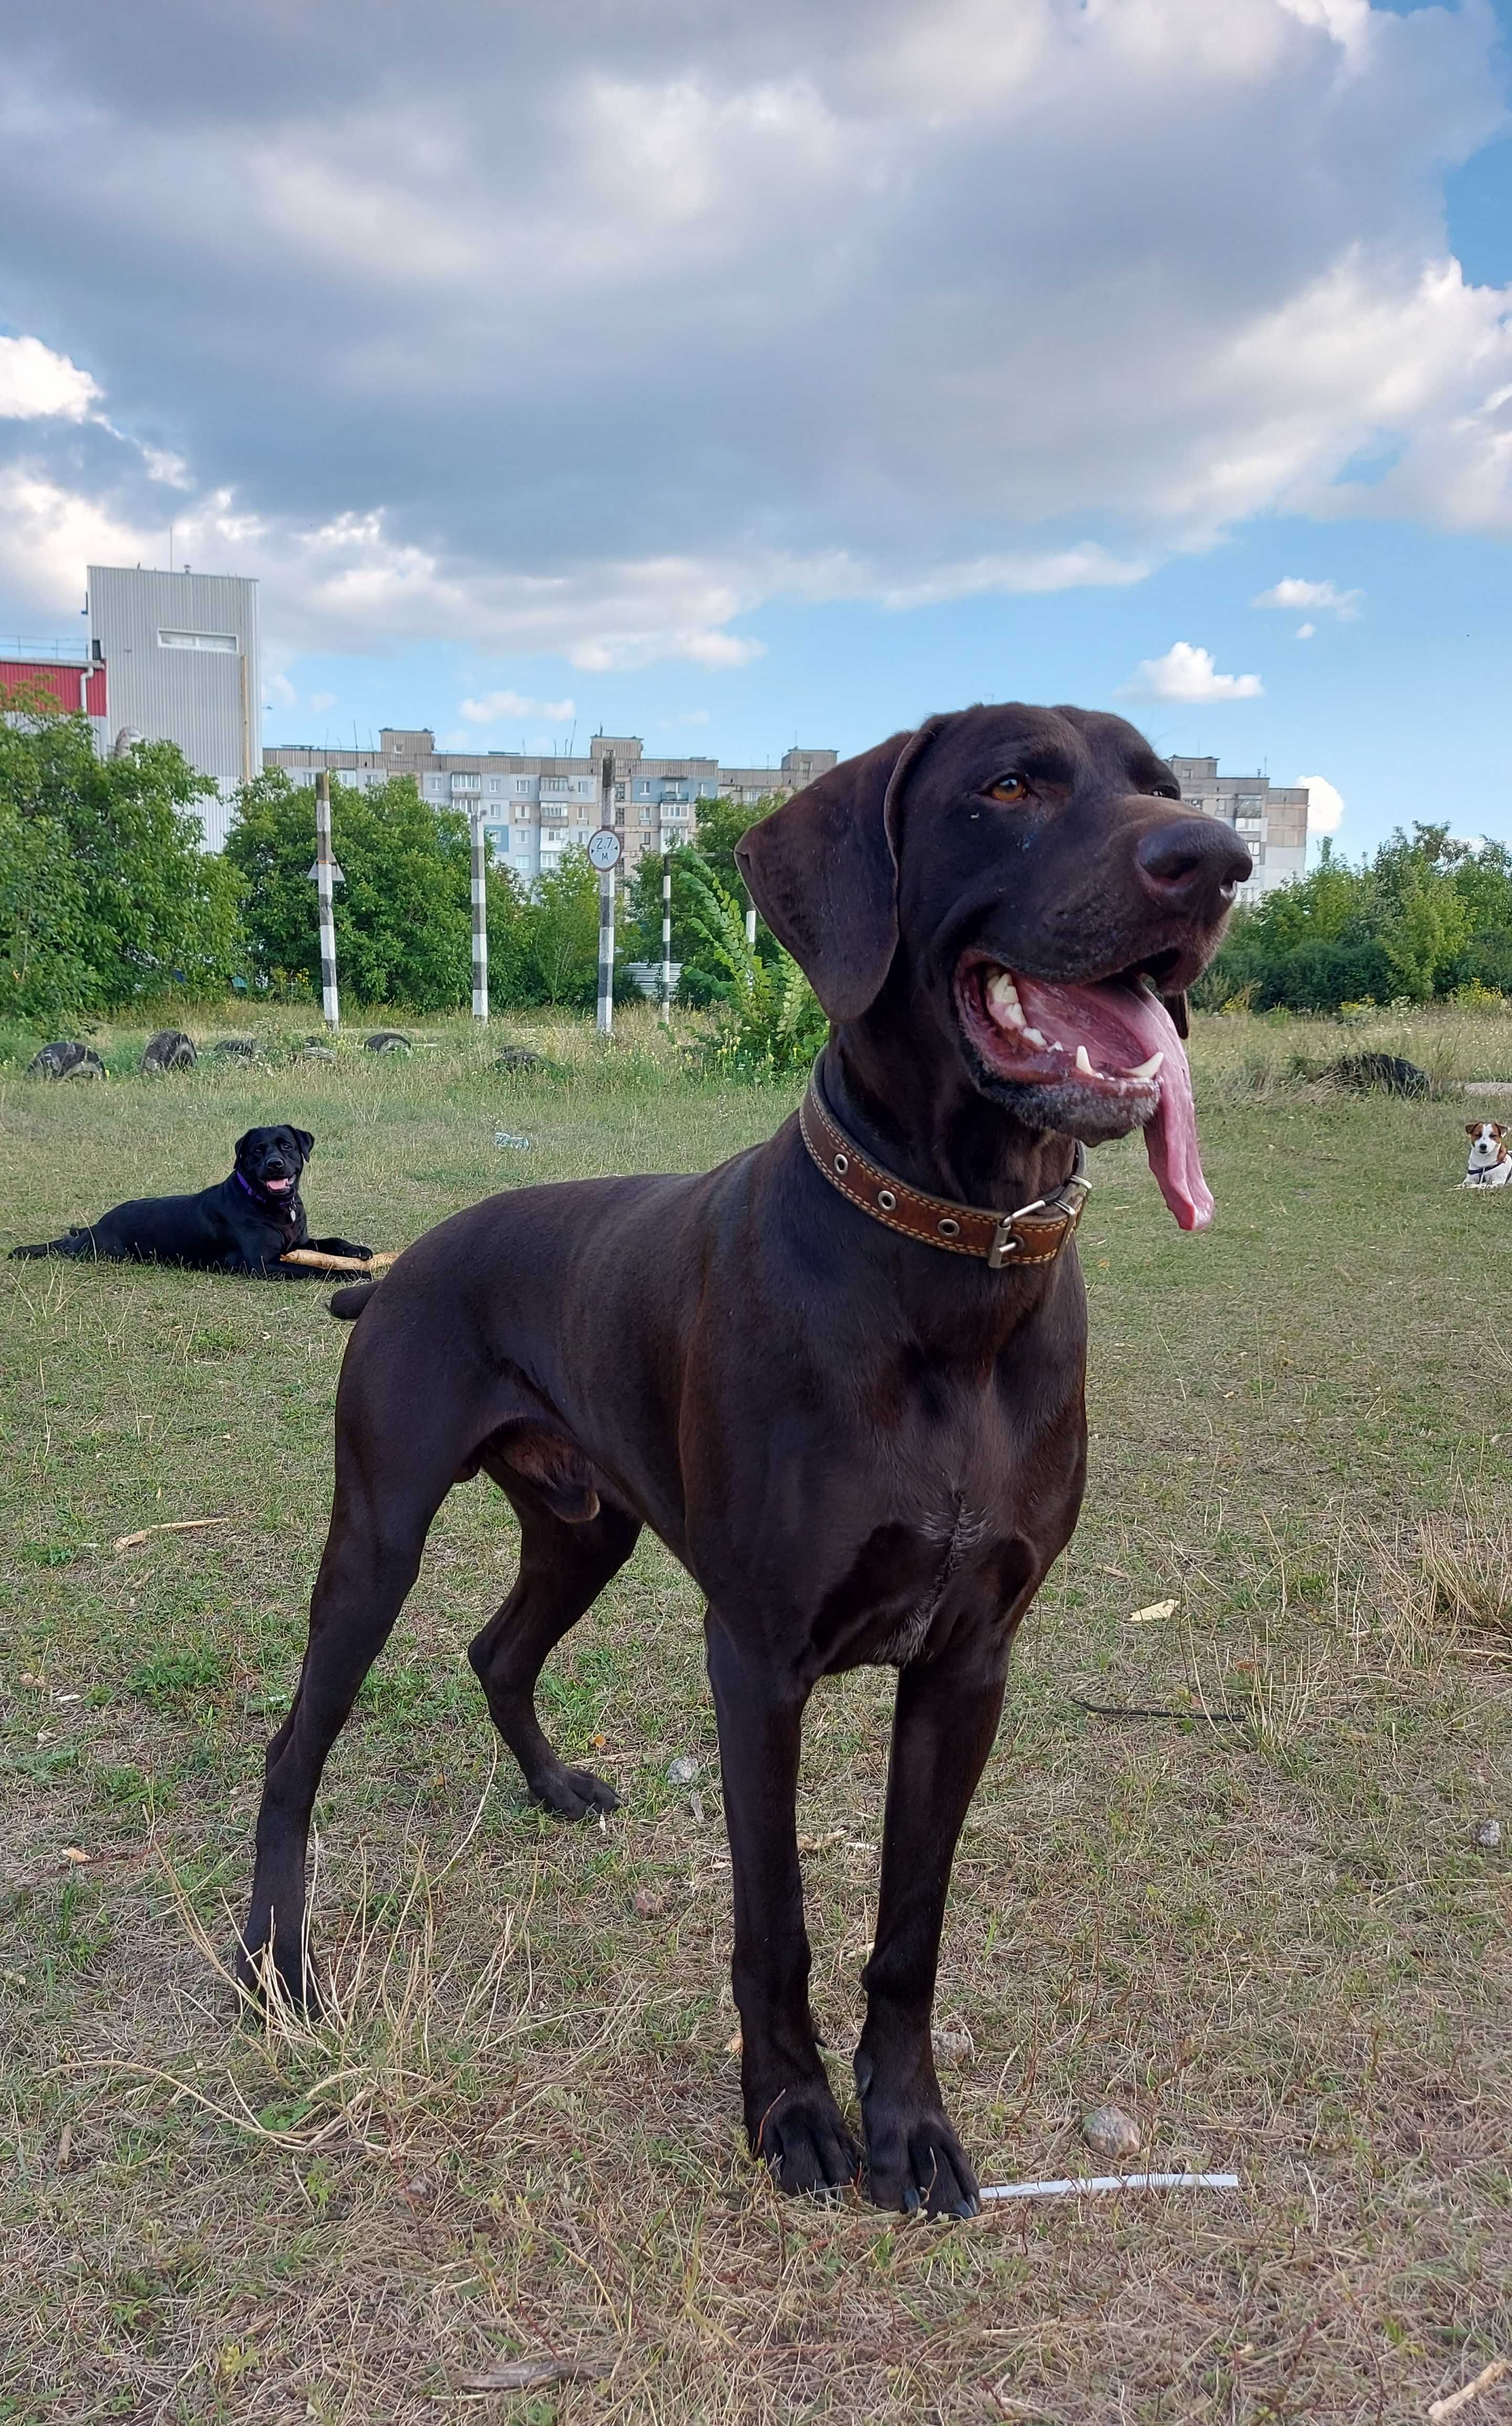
x=606, y=952
x=480, y=919
x=667, y=939
x=329, y=1000
x=750, y=922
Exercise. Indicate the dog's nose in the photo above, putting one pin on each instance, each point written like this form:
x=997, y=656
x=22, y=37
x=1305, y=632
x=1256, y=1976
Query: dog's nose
x=1191, y=865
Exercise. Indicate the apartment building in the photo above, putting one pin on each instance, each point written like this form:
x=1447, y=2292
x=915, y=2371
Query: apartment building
x=1270, y=819
x=533, y=808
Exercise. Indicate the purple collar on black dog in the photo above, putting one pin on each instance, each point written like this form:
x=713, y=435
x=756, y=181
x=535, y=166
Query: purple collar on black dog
x=277, y=1203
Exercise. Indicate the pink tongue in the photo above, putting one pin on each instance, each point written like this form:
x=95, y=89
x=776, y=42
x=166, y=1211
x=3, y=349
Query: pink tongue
x=1121, y=1027
x=1170, y=1138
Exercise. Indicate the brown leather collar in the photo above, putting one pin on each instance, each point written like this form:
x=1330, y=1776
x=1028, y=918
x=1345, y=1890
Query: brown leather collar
x=1034, y=1234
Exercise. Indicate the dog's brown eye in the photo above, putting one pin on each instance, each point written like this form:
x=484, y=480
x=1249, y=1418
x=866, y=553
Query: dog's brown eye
x=1009, y=789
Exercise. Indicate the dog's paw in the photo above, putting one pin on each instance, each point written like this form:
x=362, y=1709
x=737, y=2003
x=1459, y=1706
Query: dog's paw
x=914, y=2160
x=573, y=1793
x=266, y=1981
x=806, y=2143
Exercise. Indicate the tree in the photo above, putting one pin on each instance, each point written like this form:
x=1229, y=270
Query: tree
x=403, y=919
x=106, y=892
x=561, y=934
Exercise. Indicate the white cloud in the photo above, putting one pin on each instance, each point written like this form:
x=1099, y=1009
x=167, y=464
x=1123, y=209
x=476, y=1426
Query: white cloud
x=36, y=384
x=1326, y=806
x=170, y=469
x=1188, y=673
x=321, y=700
x=1294, y=593
x=498, y=705
x=744, y=214
x=1306, y=631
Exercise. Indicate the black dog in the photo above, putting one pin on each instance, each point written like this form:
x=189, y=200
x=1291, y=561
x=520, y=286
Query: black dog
x=841, y=1376
x=242, y=1225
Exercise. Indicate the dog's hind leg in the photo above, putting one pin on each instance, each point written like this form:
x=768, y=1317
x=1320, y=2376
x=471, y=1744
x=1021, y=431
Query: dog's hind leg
x=564, y=1565
x=386, y=1497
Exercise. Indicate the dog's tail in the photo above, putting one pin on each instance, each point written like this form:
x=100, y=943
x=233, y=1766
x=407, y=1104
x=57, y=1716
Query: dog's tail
x=67, y=1245
x=347, y=1304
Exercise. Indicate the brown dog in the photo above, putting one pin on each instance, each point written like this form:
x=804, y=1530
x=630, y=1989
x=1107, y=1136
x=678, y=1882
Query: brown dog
x=841, y=1376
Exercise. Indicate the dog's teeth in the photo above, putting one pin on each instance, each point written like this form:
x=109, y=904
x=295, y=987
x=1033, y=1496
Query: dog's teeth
x=1031, y=1036
x=1003, y=999
x=1084, y=1062
x=1149, y=1069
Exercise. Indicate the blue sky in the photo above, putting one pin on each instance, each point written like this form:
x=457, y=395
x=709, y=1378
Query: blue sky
x=737, y=381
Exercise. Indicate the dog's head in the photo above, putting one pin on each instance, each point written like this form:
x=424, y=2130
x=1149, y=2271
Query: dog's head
x=1486, y=1144
x=270, y=1160
x=1025, y=881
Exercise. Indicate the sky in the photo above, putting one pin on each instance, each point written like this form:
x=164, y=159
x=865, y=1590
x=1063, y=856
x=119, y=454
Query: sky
x=740, y=377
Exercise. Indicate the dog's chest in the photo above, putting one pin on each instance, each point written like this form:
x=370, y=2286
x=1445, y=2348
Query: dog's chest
x=960, y=1534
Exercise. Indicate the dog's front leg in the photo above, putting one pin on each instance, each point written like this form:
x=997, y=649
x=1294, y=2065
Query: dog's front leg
x=946, y=1718
x=791, y=2116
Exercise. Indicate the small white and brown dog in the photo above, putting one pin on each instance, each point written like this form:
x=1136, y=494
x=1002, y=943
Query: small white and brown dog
x=1490, y=1161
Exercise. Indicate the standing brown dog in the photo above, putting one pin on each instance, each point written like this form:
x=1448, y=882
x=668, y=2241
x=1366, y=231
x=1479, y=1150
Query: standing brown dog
x=841, y=1376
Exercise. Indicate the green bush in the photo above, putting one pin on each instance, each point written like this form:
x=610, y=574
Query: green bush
x=1423, y=917
x=767, y=1021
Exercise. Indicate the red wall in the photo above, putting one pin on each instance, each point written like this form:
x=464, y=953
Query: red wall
x=62, y=681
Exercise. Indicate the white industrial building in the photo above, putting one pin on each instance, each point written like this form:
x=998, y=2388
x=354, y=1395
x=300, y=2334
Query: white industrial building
x=180, y=653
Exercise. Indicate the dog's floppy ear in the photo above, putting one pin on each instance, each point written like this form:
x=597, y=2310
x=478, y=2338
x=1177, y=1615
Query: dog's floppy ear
x=304, y=1142
x=823, y=872
x=1181, y=1019
x=1473, y=1129
x=242, y=1143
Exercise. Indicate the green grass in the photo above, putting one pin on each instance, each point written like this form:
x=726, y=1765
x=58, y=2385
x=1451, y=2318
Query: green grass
x=1273, y=1935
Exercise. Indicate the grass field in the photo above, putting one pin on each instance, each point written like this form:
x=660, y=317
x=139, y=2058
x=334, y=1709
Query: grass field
x=1264, y=1922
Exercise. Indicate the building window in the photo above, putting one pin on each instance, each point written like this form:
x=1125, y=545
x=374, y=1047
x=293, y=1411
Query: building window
x=554, y=782
x=223, y=643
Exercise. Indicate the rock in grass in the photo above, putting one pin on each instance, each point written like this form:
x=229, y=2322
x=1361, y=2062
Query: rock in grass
x=170, y=1050
x=683, y=1770
x=388, y=1040
x=66, y=1060
x=1110, y=2132
x=313, y=1052
x=238, y=1048
x=1489, y=1836
x=520, y=1059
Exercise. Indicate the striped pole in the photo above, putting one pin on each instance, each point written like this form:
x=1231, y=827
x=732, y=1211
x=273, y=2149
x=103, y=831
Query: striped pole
x=606, y=952
x=667, y=939
x=480, y=919
x=750, y=922
x=329, y=1000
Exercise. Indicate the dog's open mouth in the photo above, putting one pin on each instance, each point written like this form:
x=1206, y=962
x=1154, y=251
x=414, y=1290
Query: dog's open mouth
x=278, y=1187
x=1109, y=1055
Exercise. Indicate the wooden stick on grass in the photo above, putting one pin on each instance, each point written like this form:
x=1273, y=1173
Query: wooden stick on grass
x=315, y=1262
x=182, y=1525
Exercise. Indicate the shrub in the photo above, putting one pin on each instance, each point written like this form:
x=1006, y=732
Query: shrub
x=768, y=1021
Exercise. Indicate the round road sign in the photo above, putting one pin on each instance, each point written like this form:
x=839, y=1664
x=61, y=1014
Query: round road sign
x=605, y=848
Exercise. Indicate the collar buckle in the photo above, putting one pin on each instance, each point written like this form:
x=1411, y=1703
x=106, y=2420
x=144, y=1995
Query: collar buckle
x=1004, y=1243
